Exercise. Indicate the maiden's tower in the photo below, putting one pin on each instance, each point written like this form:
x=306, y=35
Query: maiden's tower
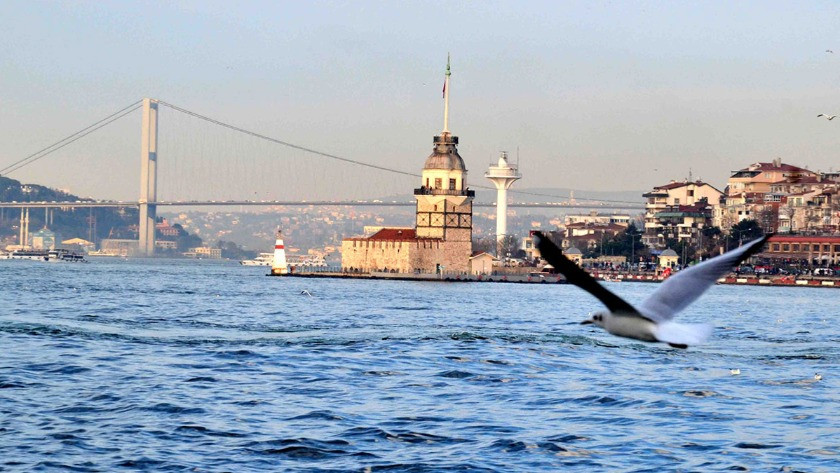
x=442, y=237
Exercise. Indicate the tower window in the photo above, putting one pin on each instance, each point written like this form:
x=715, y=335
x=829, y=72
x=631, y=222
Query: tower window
x=438, y=183
x=452, y=184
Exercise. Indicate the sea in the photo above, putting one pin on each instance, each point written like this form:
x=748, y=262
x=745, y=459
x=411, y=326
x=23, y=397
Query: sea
x=200, y=366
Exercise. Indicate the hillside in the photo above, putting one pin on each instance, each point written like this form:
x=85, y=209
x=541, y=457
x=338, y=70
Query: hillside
x=91, y=224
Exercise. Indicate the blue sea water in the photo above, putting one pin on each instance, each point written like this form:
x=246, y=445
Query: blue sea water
x=194, y=366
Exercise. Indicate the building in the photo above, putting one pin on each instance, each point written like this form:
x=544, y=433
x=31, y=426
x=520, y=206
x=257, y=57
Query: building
x=442, y=237
x=166, y=244
x=78, y=245
x=503, y=175
x=668, y=259
x=165, y=230
x=119, y=247
x=683, y=222
x=590, y=235
x=43, y=239
x=575, y=255
x=758, y=192
x=672, y=197
x=595, y=217
x=759, y=177
x=204, y=252
x=806, y=250
x=482, y=263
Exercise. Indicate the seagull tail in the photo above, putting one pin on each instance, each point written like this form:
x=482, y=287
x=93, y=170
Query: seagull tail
x=683, y=334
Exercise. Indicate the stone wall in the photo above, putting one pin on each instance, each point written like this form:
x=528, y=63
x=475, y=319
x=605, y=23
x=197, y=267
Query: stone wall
x=405, y=256
x=376, y=255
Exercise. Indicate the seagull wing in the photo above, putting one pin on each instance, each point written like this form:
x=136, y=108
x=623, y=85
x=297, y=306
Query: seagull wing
x=684, y=287
x=820, y=115
x=580, y=278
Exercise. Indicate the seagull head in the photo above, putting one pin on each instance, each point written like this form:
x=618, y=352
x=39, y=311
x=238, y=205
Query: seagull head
x=597, y=319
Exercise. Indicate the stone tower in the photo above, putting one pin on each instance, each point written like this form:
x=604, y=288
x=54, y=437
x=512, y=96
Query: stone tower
x=444, y=203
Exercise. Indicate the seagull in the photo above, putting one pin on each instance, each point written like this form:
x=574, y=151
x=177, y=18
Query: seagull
x=305, y=293
x=651, y=321
x=734, y=371
x=829, y=51
x=817, y=376
x=828, y=117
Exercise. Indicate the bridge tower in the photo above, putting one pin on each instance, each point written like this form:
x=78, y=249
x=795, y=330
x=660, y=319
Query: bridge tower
x=148, y=177
x=503, y=176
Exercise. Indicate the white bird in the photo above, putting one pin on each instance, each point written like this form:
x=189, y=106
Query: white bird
x=651, y=321
x=735, y=371
x=817, y=376
x=827, y=117
x=305, y=293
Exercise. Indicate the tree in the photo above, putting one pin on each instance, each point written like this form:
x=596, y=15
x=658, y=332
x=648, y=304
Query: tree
x=745, y=230
x=627, y=243
x=509, y=245
x=486, y=244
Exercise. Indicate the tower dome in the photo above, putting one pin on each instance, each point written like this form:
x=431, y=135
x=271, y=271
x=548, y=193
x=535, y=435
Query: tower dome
x=445, y=154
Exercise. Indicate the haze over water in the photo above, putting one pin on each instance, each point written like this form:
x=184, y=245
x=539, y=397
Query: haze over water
x=185, y=366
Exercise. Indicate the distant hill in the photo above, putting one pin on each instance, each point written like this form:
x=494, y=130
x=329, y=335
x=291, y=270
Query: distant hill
x=548, y=194
x=92, y=224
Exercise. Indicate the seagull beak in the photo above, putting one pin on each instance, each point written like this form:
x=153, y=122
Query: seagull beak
x=586, y=322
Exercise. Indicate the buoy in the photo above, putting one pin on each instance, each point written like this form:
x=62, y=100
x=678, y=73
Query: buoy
x=279, y=267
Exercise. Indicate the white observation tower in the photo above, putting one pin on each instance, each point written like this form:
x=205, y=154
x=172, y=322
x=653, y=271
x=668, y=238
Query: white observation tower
x=503, y=176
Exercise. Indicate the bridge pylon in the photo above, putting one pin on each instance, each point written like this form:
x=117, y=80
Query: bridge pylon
x=148, y=177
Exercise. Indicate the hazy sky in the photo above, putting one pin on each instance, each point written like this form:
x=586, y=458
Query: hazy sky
x=597, y=95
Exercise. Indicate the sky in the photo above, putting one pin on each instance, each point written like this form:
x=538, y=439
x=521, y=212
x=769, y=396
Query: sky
x=595, y=95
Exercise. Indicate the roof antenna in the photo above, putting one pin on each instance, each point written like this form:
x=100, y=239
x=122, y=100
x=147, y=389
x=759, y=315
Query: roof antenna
x=689, y=175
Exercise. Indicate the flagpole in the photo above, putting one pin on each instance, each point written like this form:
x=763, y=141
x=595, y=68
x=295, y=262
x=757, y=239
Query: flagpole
x=446, y=98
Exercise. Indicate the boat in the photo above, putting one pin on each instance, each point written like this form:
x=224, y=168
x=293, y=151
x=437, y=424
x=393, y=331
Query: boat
x=264, y=259
x=34, y=255
x=611, y=279
x=58, y=255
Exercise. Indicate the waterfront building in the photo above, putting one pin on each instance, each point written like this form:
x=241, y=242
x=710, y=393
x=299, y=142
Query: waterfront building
x=119, y=247
x=204, y=252
x=681, y=201
x=574, y=254
x=43, y=239
x=78, y=245
x=807, y=250
x=668, y=259
x=166, y=244
x=481, y=263
x=442, y=237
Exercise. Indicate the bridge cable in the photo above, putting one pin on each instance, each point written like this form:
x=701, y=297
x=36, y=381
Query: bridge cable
x=75, y=136
x=280, y=142
x=359, y=163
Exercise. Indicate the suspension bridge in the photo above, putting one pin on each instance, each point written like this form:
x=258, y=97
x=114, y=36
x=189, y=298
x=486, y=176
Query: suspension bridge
x=211, y=163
